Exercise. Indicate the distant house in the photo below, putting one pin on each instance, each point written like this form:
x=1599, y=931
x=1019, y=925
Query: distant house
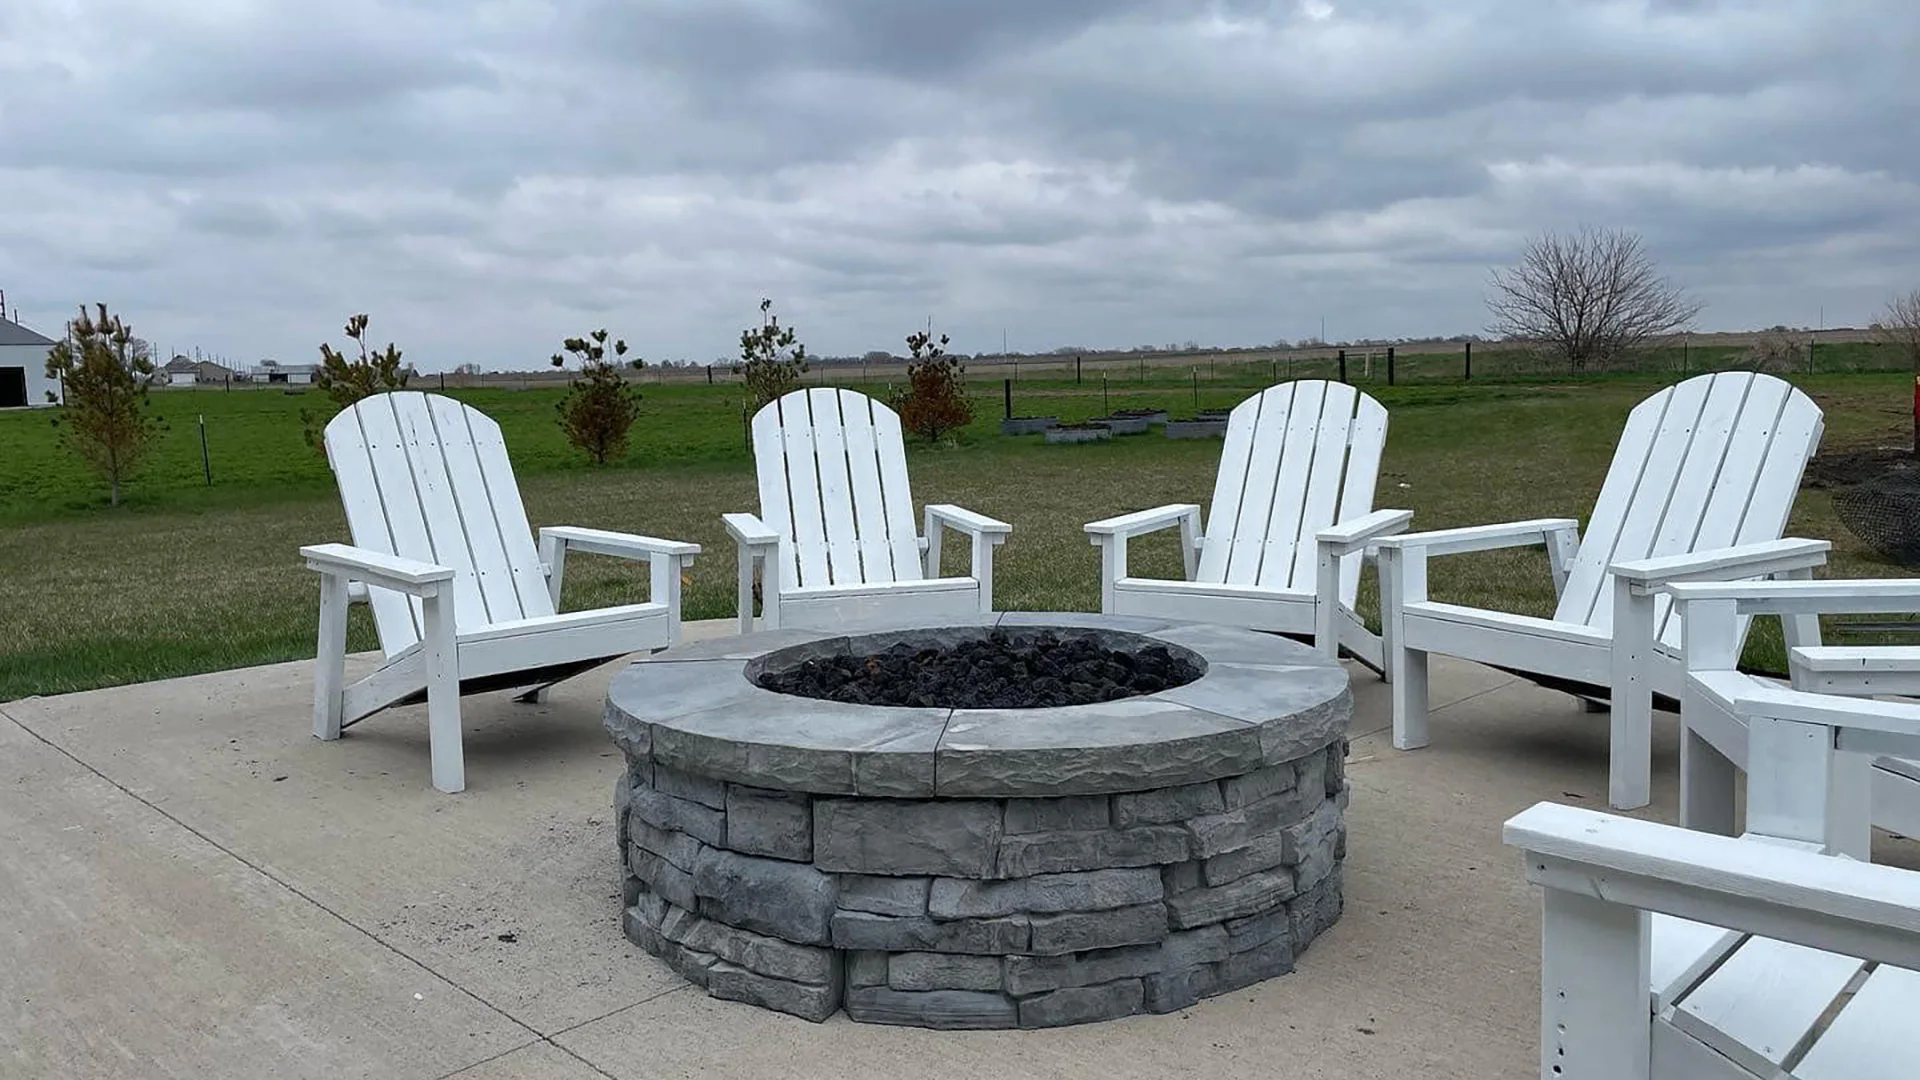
x=272, y=371
x=23, y=367
x=185, y=371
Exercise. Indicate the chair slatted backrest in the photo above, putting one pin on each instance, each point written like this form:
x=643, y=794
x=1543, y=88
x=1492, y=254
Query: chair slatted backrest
x=1298, y=457
x=1710, y=462
x=425, y=477
x=833, y=483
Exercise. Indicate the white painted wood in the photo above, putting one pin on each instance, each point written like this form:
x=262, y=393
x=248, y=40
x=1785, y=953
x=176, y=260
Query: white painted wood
x=1790, y=767
x=330, y=658
x=1365, y=446
x=1403, y=584
x=1320, y=501
x=1594, y=974
x=831, y=467
x=1757, y=1006
x=509, y=513
x=836, y=487
x=897, y=494
x=1873, y=1037
x=1277, y=540
x=1680, y=1056
x=1610, y=508
x=442, y=660
x=444, y=554
x=1684, y=951
x=1230, y=480
x=1248, y=541
x=800, y=457
x=479, y=525
x=869, y=505
x=351, y=454
x=1482, y=537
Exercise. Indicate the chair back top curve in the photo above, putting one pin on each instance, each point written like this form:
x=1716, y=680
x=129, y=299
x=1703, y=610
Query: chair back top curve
x=1299, y=457
x=425, y=477
x=832, y=470
x=1710, y=462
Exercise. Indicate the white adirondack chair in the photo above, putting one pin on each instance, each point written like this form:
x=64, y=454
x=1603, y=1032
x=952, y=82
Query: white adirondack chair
x=834, y=539
x=1881, y=789
x=1700, y=487
x=1291, y=519
x=1679, y=955
x=443, y=554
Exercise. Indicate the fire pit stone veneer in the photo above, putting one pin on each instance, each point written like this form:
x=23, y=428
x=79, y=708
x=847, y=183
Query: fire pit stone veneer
x=983, y=867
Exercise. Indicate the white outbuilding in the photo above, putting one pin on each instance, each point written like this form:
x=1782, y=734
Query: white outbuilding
x=23, y=367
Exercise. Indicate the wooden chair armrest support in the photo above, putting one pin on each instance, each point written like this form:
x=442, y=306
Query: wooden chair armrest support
x=1350, y=536
x=369, y=567
x=1110, y=535
x=1743, y=560
x=1482, y=537
x=985, y=533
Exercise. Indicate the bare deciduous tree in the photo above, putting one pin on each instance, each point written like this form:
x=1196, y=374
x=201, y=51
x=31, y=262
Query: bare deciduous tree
x=1899, y=326
x=1591, y=297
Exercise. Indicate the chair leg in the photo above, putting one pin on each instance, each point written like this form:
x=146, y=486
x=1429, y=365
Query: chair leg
x=1850, y=806
x=443, y=695
x=1407, y=675
x=1630, y=742
x=539, y=695
x=1706, y=786
x=330, y=659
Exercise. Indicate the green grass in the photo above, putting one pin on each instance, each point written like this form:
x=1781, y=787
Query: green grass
x=187, y=578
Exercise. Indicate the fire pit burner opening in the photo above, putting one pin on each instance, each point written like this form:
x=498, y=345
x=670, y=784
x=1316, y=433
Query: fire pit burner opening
x=979, y=668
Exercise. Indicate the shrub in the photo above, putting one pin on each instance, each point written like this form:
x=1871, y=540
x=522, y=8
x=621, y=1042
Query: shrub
x=346, y=381
x=935, y=401
x=600, y=409
x=103, y=371
x=771, y=359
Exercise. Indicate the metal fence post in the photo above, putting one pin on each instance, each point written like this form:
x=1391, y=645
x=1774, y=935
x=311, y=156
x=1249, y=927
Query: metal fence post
x=1343, y=365
x=1468, y=377
x=1389, y=365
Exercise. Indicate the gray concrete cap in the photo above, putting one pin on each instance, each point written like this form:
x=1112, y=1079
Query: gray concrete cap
x=1261, y=697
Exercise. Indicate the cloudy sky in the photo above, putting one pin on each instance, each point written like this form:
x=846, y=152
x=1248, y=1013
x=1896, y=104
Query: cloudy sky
x=486, y=178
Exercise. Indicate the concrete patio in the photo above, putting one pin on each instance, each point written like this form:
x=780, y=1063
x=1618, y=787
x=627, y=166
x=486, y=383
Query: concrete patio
x=195, y=887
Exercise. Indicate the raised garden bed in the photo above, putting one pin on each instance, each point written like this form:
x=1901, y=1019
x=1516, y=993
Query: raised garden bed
x=1205, y=425
x=1125, y=425
x=1151, y=416
x=1090, y=431
x=1027, y=425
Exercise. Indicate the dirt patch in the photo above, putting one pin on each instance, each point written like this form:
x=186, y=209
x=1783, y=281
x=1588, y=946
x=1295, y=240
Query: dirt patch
x=1844, y=467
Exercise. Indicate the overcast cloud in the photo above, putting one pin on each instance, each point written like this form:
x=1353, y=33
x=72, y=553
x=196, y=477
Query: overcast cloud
x=487, y=178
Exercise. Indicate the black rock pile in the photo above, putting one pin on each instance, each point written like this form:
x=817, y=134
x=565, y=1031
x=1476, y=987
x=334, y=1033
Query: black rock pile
x=997, y=670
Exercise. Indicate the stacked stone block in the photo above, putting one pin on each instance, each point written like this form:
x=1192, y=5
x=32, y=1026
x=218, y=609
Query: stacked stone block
x=983, y=913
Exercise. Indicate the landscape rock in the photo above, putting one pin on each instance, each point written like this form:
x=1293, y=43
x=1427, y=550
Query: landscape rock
x=1087, y=890
x=1057, y=852
x=956, y=838
x=777, y=824
x=904, y=896
x=664, y=811
x=863, y=930
x=1249, y=895
x=730, y=982
x=1163, y=805
x=1171, y=991
x=789, y=900
x=1238, y=791
x=1074, y=812
x=762, y=953
x=866, y=968
x=704, y=790
x=662, y=878
x=1213, y=834
x=942, y=971
x=676, y=847
x=951, y=1010
x=1077, y=931
x=1081, y=1004
x=1249, y=967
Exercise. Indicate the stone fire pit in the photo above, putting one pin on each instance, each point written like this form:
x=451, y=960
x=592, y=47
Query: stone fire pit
x=982, y=867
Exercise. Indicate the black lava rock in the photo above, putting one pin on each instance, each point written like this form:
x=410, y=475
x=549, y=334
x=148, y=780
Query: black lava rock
x=995, y=671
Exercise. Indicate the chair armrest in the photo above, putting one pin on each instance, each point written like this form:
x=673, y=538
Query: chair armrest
x=748, y=530
x=1481, y=537
x=1350, y=536
x=1858, y=596
x=1822, y=901
x=1141, y=522
x=965, y=521
x=1743, y=560
x=377, y=568
x=620, y=545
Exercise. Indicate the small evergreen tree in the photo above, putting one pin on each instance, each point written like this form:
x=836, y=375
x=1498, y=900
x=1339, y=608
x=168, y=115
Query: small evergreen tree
x=935, y=401
x=771, y=359
x=600, y=409
x=103, y=370
x=346, y=381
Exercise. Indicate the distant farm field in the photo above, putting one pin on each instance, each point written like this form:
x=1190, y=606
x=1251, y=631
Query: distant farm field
x=189, y=577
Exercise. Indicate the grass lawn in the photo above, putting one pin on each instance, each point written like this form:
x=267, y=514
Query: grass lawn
x=188, y=578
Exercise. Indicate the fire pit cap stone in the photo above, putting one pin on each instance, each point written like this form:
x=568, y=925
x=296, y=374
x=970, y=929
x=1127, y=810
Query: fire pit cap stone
x=1262, y=699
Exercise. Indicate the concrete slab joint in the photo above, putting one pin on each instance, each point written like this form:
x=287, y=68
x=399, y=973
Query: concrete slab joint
x=981, y=868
